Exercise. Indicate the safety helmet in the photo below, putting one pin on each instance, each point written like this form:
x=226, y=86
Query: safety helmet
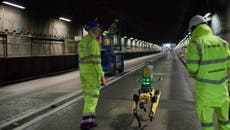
x=196, y=20
x=91, y=24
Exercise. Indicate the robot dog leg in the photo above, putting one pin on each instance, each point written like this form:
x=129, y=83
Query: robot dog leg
x=134, y=108
x=154, y=104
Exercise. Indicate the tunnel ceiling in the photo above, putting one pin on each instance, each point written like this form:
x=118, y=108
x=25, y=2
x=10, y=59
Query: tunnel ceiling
x=155, y=21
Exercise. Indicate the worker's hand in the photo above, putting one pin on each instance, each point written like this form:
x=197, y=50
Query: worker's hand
x=103, y=81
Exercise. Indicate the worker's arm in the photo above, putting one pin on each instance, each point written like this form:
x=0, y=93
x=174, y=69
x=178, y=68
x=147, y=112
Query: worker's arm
x=228, y=55
x=95, y=50
x=193, y=58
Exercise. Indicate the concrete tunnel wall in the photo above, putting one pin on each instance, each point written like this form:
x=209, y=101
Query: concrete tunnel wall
x=16, y=22
x=220, y=23
x=17, y=69
x=27, y=59
x=13, y=19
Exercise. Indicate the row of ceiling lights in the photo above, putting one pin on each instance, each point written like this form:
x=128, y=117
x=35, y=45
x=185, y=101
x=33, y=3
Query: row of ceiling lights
x=60, y=18
x=22, y=7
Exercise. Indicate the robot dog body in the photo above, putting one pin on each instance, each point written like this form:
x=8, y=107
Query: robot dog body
x=147, y=94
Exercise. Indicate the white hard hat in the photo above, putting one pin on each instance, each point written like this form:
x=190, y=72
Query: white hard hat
x=195, y=20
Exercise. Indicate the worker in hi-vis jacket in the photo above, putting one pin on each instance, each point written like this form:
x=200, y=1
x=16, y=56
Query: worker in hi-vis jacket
x=208, y=61
x=91, y=73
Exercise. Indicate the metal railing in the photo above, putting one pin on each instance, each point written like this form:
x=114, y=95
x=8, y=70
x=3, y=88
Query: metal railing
x=25, y=45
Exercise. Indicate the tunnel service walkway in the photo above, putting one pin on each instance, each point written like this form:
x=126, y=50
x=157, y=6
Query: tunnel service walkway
x=176, y=109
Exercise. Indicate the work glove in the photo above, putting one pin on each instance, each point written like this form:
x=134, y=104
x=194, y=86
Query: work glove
x=103, y=81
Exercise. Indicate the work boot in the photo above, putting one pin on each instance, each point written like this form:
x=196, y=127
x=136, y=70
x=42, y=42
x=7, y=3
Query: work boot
x=88, y=125
x=88, y=122
x=88, y=117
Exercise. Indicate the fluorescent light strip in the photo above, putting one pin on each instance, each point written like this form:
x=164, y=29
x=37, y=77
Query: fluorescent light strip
x=11, y=4
x=65, y=19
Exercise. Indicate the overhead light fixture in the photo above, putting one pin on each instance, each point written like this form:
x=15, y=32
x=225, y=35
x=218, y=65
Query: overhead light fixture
x=65, y=19
x=14, y=5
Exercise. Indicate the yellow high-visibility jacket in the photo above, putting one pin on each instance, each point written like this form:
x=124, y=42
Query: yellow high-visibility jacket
x=207, y=60
x=90, y=61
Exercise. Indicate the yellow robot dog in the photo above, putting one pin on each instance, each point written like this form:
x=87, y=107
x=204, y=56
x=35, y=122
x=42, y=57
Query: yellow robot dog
x=147, y=94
